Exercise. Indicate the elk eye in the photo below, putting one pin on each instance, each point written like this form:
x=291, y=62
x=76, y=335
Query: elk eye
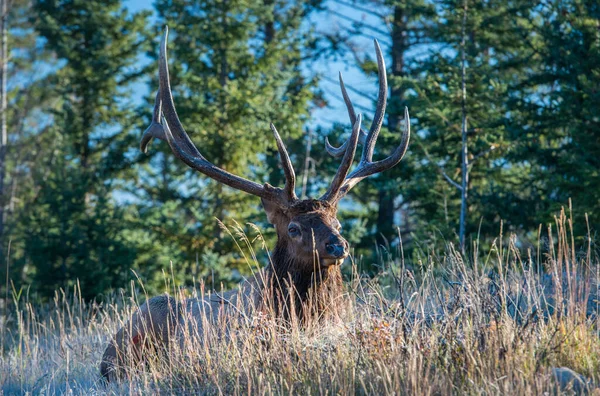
x=293, y=230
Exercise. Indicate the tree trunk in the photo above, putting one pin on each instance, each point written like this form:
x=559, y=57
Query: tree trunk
x=399, y=47
x=270, y=25
x=307, y=160
x=3, y=115
x=223, y=81
x=385, y=215
x=272, y=158
x=464, y=150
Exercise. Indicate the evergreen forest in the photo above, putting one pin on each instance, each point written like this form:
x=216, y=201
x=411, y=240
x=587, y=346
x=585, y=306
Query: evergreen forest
x=504, y=99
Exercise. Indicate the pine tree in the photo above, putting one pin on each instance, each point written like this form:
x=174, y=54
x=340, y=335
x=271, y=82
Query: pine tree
x=74, y=229
x=27, y=101
x=558, y=114
x=494, y=65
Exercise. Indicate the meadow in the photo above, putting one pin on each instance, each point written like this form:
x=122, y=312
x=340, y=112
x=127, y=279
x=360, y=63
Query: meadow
x=504, y=321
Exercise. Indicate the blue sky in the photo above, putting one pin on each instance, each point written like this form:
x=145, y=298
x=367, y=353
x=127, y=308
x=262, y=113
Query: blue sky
x=336, y=111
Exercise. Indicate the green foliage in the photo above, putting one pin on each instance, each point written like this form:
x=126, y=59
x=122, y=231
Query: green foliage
x=73, y=230
x=532, y=95
x=82, y=203
x=557, y=113
x=492, y=53
x=28, y=100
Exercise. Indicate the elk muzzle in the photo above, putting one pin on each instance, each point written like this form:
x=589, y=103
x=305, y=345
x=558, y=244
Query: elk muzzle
x=337, y=250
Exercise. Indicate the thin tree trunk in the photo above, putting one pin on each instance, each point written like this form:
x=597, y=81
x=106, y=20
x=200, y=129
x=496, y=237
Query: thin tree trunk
x=399, y=47
x=307, y=160
x=223, y=80
x=270, y=25
x=272, y=159
x=3, y=115
x=385, y=214
x=465, y=151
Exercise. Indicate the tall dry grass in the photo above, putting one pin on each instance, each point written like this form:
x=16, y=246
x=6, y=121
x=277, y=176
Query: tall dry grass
x=495, y=323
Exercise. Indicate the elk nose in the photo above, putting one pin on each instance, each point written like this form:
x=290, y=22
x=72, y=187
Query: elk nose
x=337, y=249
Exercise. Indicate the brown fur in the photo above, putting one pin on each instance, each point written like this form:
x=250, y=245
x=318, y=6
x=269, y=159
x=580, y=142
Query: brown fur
x=298, y=283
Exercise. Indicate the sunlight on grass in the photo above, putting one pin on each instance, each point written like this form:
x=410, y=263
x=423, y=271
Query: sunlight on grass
x=495, y=323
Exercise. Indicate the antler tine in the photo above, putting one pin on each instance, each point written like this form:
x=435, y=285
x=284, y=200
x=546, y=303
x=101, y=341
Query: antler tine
x=288, y=168
x=339, y=151
x=342, y=172
x=182, y=146
x=155, y=130
x=369, y=168
x=167, y=103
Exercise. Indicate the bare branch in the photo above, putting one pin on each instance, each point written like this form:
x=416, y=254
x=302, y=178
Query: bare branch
x=358, y=23
x=440, y=168
x=455, y=184
x=483, y=154
x=307, y=162
x=356, y=91
x=355, y=6
x=338, y=97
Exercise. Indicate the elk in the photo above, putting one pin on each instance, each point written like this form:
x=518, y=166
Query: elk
x=309, y=251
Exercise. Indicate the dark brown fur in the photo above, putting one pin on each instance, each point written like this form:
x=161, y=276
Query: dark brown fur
x=300, y=282
x=298, y=270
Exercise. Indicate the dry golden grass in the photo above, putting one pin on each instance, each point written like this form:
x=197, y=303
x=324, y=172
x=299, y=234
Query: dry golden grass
x=494, y=324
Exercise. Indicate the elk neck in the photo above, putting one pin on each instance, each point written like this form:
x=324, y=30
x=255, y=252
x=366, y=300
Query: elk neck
x=319, y=286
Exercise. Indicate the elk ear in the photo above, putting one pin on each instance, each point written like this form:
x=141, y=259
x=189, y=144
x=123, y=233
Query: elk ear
x=273, y=211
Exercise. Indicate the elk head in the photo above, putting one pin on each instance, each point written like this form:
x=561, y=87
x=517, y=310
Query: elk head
x=308, y=230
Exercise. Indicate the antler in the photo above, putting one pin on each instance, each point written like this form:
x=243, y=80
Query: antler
x=171, y=130
x=342, y=171
x=366, y=166
x=167, y=126
x=288, y=168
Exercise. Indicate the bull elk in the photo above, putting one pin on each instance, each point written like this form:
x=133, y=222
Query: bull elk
x=310, y=249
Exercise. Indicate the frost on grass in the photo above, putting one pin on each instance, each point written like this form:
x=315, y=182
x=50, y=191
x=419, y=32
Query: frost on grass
x=496, y=322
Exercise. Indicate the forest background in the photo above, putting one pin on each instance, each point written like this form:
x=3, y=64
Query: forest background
x=516, y=82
